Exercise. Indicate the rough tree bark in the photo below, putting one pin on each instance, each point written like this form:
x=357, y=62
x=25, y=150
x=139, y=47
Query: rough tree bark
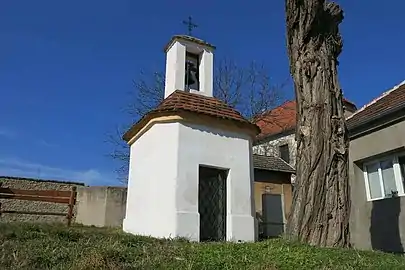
x=321, y=203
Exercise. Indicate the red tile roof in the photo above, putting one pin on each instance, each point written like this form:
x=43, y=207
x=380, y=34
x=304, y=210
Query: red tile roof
x=389, y=101
x=180, y=101
x=278, y=120
x=283, y=118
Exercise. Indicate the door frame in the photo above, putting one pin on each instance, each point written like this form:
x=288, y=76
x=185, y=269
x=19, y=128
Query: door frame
x=223, y=172
x=282, y=207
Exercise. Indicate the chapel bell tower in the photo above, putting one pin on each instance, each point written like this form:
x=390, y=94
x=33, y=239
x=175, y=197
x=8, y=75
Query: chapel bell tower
x=205, y=194
x=189, y=66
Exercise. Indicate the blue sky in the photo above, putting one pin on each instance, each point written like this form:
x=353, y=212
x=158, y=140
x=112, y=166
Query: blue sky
x=66, y=68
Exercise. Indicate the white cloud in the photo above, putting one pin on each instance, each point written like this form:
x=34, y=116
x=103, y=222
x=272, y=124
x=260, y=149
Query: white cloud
x=10, y=134
x=7, y=133
x=22, y=168
x=46, y=144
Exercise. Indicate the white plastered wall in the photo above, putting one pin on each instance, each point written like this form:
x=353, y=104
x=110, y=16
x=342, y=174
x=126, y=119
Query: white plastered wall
x=163, y=183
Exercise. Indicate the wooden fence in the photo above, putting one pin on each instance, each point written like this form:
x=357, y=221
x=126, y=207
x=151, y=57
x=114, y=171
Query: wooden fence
x=52, y=196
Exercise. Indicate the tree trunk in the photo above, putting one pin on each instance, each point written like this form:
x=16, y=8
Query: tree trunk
x=321, y=203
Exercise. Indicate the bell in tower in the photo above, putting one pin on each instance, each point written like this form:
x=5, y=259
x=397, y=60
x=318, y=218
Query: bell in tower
x=192, y=81
x=189, y=64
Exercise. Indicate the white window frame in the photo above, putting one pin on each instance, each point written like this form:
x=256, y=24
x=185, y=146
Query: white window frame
x=397, y=174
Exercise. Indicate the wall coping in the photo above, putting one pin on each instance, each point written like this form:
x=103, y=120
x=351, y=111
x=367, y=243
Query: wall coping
x=40, y=180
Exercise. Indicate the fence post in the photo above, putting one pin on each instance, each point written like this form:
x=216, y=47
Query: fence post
x=72, y=201
x=1, y=183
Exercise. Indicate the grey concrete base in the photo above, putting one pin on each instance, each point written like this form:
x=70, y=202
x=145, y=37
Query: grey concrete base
x=101, y=206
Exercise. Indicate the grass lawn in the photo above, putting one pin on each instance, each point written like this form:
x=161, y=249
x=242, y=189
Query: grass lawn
x=25, y=246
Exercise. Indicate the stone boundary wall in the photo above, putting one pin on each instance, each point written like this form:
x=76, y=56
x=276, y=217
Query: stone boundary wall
x=20, y=205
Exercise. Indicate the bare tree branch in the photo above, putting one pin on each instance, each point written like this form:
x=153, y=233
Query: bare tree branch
x=120, y=153
x=247, y=89
x=229, y=81
x=149, y=92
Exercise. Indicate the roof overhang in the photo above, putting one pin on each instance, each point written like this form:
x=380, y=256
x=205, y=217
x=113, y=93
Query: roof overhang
x=378, y=122
x=150, y=119
x=189, y=40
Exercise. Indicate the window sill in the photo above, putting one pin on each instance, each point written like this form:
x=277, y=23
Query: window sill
x=386, y=198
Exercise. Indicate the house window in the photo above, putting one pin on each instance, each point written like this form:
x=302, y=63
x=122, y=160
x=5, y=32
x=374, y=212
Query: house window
x=385, y=178
x=401, y=161
x=284, y=153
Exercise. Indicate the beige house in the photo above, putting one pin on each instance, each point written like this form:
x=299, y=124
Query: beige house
x=273, y=186
x=377, y=171
x=272, y=194
x=277, y=137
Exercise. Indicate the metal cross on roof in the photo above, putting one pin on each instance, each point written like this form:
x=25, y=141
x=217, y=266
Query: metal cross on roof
x=190, y=25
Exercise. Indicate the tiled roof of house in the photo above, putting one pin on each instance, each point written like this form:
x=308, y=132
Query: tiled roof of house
x=389, y=101
x=283, y=118
x=278, y=120
x=271, y=163
x=180, y=101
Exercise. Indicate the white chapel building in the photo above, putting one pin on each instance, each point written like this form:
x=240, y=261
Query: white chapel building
x=191, y=171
